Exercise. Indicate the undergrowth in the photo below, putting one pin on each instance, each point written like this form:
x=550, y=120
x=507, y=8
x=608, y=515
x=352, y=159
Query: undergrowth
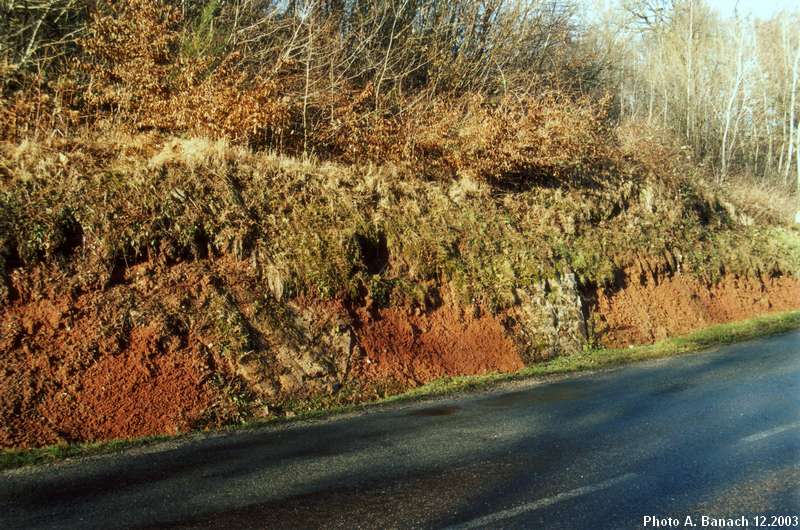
x=163, y=133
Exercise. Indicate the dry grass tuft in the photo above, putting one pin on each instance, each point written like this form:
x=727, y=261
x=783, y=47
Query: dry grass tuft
x=762, y=202
x=193, y=152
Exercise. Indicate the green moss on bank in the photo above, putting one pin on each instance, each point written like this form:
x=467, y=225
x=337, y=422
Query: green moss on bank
x=348, y=232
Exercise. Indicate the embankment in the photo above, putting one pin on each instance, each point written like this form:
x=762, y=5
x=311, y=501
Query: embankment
x=152, y=286
x=84, y=368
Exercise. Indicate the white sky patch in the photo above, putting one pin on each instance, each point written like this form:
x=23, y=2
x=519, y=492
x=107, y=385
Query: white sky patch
x=589, y=10
x=758, y=8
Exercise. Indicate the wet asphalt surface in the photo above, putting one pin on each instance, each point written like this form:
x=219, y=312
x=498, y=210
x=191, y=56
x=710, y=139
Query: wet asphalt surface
x=715, y=434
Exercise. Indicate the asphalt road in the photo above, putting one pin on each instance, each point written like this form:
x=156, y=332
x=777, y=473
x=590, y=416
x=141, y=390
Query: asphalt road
x=715, y=434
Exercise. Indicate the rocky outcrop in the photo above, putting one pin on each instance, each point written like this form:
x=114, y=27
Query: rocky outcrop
x=193, y=345
x=549, y=319
x=299, y=350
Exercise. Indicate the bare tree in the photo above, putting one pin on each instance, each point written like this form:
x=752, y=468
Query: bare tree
x=34, y=31
x=728, y=87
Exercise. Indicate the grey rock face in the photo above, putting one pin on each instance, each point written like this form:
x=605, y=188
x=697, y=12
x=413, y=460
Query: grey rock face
x=320, y=350
x=549, y=319
x=301, y=350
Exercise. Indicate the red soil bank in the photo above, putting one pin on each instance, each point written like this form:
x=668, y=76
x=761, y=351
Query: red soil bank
x=415, y=349
x=642, y=312
x=68, y=373
x=65, y=377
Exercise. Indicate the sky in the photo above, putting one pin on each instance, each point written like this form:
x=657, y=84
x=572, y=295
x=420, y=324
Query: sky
x=759, y=8
x=762, y=9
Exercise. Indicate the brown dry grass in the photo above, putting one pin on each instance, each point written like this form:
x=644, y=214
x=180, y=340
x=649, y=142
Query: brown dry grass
x=99, y=202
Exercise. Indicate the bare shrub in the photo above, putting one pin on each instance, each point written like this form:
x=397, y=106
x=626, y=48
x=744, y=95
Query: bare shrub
x=136, y=72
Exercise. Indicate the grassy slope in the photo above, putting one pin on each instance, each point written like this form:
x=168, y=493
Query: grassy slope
x=80, y=210
x=590, y=360
x=310, y=226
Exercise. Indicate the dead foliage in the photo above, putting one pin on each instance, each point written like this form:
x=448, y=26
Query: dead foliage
x=147, y=65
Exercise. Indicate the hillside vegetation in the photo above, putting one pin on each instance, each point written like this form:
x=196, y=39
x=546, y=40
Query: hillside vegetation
x=216, y=211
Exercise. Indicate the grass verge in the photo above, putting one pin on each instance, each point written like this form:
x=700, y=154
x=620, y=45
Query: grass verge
x=593, y=359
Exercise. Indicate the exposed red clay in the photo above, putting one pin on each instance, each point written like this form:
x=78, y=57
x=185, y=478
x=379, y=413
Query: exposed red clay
x=415, y=349
x=96, y=366
x=645, y=312
x=68, y=375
